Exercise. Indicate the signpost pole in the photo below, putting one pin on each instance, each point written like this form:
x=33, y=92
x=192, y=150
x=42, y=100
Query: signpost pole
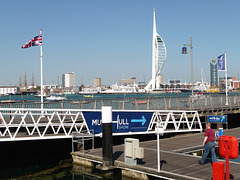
x=159, y=131
x=227, y=164
x=226, y=78
x=158, y=150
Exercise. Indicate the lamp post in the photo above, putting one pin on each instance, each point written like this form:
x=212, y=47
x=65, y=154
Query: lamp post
x=184, y=51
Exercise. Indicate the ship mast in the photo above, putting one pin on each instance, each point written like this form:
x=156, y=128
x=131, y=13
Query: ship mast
x=25, y=83
x=32, y=82
x=20, y=83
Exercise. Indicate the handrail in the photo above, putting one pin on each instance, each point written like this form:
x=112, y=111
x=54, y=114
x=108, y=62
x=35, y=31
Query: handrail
x=80, y=138
x=31, y=124
x=162, y=102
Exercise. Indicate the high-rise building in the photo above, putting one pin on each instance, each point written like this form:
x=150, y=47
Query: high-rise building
x=213, y=73
x=97, y=82
x=68, y=79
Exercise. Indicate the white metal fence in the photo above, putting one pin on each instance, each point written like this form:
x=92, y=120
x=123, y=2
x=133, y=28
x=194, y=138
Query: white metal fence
x=32, y=124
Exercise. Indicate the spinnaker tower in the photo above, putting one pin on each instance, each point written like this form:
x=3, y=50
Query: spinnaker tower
x=159, y=56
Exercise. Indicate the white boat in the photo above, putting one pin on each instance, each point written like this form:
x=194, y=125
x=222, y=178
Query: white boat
x=123, y=89
x=67, y=93
x=55, y=98
x=89, y=96
x=39, y=95
x=200, y=86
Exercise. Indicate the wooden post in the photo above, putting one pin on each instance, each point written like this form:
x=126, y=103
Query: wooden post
x=95, y=104
x=221, y=101
x=178, y=103
x=123, y=105
x=165, y=103
x=148, y=101
x=169, y=102
x=136, y=104
x=159, y=103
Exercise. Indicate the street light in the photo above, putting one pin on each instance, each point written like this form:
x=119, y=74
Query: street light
x=184, y=51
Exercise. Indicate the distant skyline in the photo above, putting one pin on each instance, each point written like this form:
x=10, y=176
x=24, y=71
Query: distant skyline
x=113, y=39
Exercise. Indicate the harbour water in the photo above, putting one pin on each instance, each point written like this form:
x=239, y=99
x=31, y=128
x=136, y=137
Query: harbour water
x=43, y=160
x=96, y=96
x=49, y=159
x=63, y=171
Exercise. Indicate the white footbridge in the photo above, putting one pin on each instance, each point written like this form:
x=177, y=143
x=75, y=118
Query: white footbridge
x=20, y=124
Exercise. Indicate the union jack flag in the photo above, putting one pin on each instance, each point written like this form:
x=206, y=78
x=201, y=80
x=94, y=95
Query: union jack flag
x=36, y=41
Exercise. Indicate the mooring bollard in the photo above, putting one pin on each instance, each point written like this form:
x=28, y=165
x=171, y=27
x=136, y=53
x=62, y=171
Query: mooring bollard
x=107, y=143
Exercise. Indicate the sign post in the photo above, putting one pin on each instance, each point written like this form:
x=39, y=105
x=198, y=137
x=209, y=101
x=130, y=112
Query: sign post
x=159, y=131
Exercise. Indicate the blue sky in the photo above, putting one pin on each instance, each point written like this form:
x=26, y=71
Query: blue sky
x=112, y=39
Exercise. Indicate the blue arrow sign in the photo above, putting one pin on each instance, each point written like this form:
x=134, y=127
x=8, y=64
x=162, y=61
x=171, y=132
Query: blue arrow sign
x=143, y=120
x=217, y=119
x=122, y=121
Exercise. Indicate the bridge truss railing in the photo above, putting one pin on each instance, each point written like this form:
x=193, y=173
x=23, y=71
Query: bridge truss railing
x=176, y=121
x=31, y=124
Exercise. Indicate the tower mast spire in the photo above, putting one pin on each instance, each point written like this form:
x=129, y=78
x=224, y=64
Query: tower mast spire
x=154, y=52
x=159, y=54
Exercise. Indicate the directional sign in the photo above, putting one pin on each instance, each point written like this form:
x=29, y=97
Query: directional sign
x=217, y=119
x=142, y=120
x=122, y=121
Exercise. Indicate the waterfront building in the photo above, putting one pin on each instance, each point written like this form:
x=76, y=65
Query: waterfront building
x=127, y=82
x=236, y=83
x=222, y=82
x=68, y=80
x=159, y=55
x=173, y=85
x=52, y=86
x=141, y=85
x=5, y=90
x=213, y=73
x=97, y=82
x=122, y=89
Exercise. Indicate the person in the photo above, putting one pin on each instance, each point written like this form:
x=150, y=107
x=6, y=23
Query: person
x=209, y=145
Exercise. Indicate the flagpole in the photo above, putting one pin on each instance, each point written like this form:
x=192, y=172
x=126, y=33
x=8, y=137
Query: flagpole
x=226, y=78
x=41, y=55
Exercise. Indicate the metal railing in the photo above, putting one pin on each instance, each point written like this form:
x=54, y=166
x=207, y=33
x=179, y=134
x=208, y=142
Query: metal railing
x=31, y=124
x=176, y=121
x=144, y=103
x=79, y=139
